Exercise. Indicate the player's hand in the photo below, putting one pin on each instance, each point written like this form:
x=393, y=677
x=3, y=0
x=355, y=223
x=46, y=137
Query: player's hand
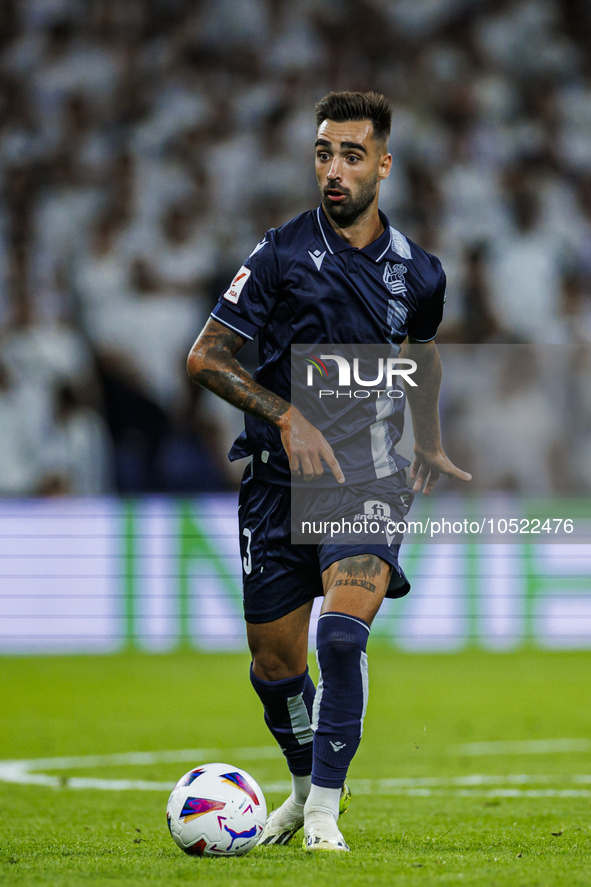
x=427, y=467
x=306, y=447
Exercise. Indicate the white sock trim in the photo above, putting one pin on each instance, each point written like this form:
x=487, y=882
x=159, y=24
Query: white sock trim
x=317, y=697
x=365, y=686
x=299, y=719
x=344, y=616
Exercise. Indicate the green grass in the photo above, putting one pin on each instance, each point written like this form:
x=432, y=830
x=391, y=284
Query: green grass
x=423, y=711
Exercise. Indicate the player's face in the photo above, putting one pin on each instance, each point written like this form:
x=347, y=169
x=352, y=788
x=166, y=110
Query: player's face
x=350, y=162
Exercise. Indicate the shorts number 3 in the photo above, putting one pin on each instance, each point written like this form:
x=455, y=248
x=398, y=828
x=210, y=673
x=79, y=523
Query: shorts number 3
x=247, y=560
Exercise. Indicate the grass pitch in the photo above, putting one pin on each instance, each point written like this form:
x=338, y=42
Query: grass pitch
x=454, y=783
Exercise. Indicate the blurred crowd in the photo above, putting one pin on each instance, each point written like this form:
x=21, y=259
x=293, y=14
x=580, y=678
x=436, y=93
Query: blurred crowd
x=146, y=145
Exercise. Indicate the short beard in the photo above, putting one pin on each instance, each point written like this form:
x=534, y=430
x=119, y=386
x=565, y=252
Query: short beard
x=346, y=215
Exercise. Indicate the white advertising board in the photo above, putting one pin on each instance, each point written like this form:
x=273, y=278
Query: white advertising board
x=157, y=574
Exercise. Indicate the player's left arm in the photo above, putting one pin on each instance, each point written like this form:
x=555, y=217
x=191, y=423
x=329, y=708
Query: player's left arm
x=212, y=363
x=430, y=460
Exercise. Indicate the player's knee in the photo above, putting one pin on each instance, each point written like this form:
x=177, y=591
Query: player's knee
x=338, y=657
x=339, y=641
x=270, y=666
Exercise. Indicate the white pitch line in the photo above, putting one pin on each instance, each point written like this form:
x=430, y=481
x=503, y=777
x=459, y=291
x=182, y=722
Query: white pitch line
x=22, y=772
x=147, y=757
x=528, y=747
x=25, y=772
x=380, y=787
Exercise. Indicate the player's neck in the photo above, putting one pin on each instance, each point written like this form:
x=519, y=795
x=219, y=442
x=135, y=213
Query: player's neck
x=367, y=228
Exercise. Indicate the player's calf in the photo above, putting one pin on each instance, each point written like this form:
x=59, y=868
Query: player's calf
x=337, y=721
x=288, y=709
x=341, y=698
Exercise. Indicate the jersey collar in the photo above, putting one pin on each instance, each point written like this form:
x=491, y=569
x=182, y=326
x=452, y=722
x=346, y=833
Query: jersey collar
x=378, y=250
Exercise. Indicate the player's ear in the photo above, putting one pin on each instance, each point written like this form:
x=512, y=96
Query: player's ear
x=385, y=165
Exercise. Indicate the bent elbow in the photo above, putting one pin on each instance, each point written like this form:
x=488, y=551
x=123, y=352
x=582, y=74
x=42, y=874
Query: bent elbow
x=194, y=365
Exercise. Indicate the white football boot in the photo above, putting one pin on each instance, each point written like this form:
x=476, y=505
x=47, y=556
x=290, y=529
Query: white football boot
x=322, y=833
x=283, y=823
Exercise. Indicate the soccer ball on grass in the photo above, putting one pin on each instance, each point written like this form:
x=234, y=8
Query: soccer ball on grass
x=216, y=810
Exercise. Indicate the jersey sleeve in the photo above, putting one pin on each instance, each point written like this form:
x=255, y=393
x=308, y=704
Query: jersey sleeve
x=248, y=302
x=425, y=322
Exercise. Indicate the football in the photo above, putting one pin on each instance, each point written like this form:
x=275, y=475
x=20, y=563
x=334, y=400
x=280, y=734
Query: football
x=216, y=810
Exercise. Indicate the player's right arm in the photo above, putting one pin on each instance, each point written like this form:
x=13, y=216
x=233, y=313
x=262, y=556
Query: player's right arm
x=213, y=364
x=423, y=397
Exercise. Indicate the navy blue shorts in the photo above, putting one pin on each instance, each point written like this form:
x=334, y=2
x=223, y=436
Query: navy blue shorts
x=279, y=577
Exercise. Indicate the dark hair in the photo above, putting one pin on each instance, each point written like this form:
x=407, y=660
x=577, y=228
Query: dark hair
x=342, y=106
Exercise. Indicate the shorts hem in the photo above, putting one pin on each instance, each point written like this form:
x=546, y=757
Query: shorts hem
x=278, y=613
x=381, y=551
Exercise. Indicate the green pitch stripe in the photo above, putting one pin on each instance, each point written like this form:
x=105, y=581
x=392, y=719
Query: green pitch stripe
x=194, y=545
x=470, y=554
x=129, y=560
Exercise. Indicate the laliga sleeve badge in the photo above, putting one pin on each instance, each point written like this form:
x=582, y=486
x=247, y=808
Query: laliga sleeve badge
x=232, y=294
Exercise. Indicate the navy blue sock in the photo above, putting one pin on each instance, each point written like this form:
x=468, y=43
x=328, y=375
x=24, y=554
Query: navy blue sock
x=341, y=697
x=288, y=715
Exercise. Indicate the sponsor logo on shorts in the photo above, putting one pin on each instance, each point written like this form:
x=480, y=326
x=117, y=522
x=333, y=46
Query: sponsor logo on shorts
x=377, y=511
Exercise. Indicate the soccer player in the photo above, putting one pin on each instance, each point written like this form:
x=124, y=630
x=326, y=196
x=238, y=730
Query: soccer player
x=336, y=274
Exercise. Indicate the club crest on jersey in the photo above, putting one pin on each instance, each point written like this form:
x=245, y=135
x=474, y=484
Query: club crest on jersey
x=232, y=294
x=394, y=278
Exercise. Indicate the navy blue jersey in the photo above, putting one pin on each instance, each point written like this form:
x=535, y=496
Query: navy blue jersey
x=304, y=284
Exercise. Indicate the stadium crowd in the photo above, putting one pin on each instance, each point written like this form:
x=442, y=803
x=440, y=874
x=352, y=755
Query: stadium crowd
x=146, y=146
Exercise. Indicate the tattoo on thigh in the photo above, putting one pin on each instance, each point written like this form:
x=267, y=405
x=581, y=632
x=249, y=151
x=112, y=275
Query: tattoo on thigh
x=366, y=566
x=360, y=583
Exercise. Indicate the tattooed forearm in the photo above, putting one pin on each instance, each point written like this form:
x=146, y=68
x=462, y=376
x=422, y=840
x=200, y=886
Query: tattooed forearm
x=361, y=583
x=212, y=364
x=236, y=386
